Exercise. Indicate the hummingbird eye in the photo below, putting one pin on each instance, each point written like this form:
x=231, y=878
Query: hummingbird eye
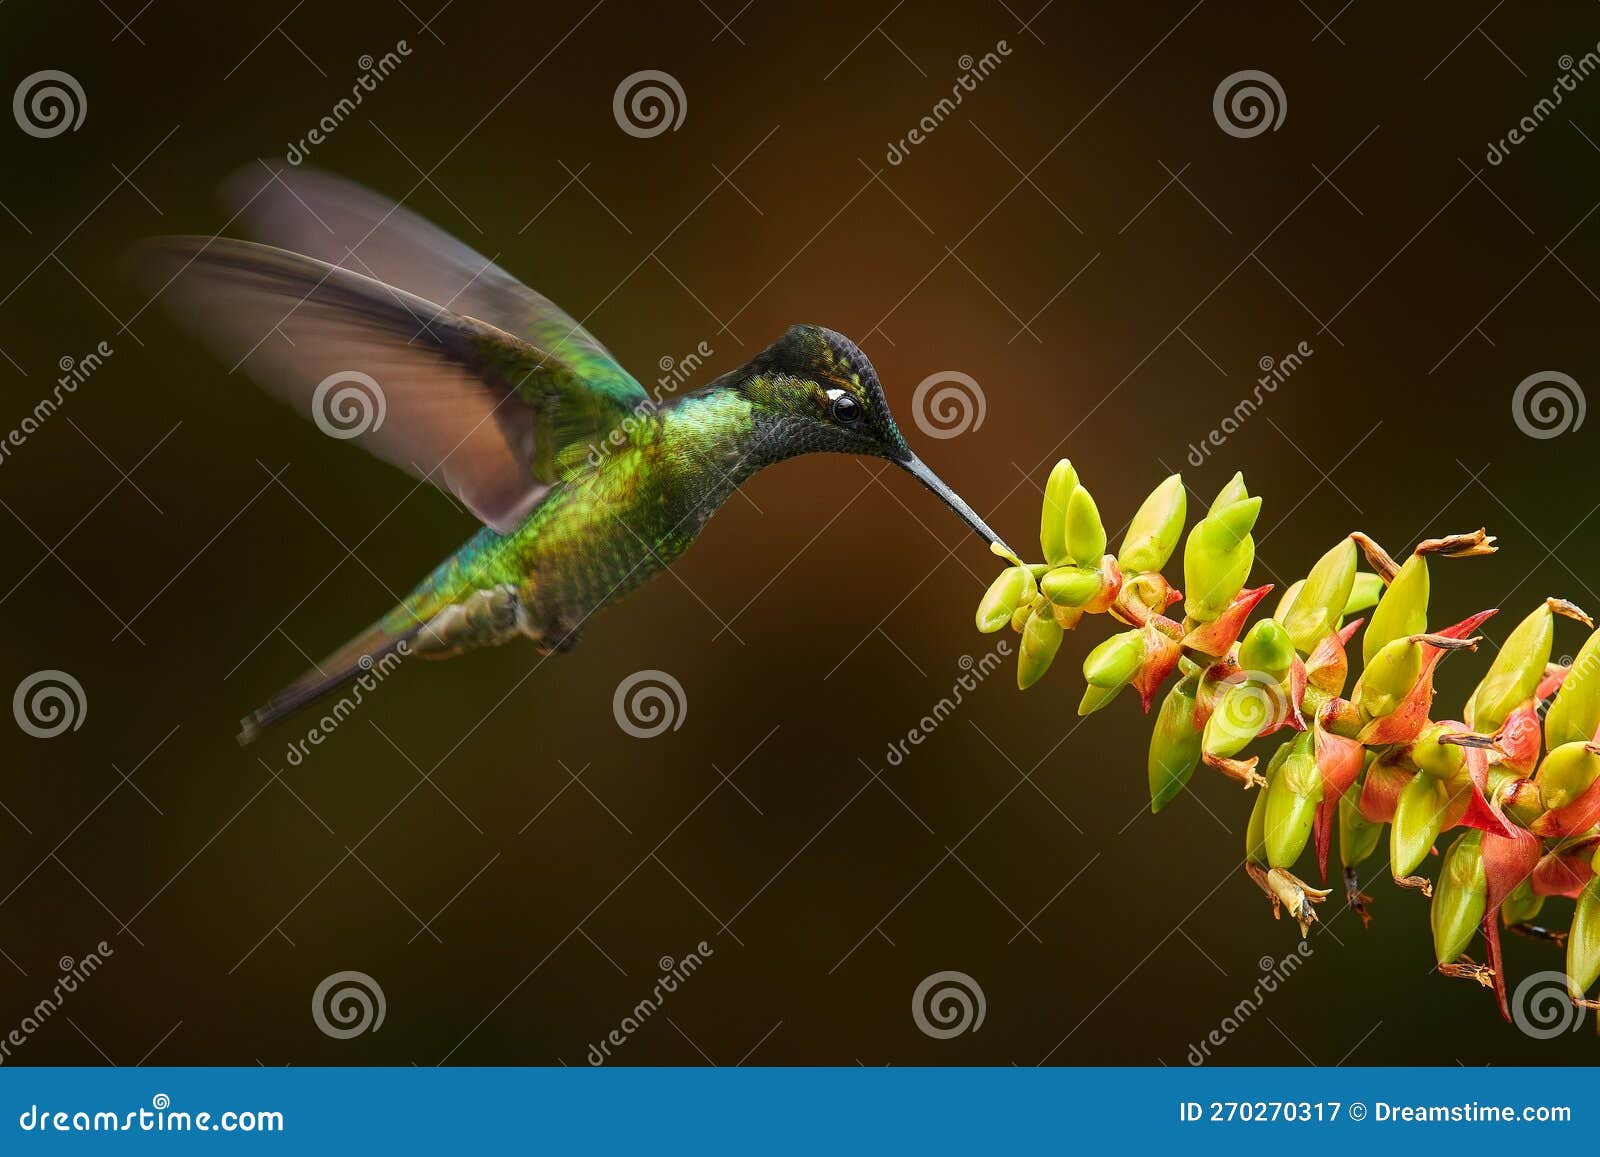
x=844, y=407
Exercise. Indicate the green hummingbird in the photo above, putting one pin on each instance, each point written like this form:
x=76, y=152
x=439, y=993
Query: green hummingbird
x=388, y=332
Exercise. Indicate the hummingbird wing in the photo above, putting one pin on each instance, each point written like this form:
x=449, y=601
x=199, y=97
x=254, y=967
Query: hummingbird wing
x=451, y=399
x=337, y=221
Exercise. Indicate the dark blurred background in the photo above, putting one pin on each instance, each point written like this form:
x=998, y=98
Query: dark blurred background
x=1080, y=236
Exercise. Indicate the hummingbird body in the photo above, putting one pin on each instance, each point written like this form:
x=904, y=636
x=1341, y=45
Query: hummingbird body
x=386, y=331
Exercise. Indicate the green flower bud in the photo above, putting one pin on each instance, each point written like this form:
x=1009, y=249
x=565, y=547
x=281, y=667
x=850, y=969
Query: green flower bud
x=1434, y=757
x=1418, y=818
x=1114, y=661
x=1255, y=837
x=1292, y=804
x=1154, y=532
x=1053, y=517
x=1522, y=906
x=1286, y=603
x=1217, y=559
x=1460, y=898
x=1402, y=611
x=1005, y=594
x=1174, y=744
x=1041, y=639
x=1358, y=836
x=1319, y=606
x=1566, y=774
x=1233, y=492
x=1267, y=648
x=1515, y=673
x=1583, y=942
x=1095, y=698
x=1241, y=712
x=1388, y=678
x=1574, y=716
x=1364, y=592
x=1086, y=534
x=1071, y=586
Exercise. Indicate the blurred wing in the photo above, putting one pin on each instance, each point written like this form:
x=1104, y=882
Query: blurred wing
x=450, y=399
x=322, y=216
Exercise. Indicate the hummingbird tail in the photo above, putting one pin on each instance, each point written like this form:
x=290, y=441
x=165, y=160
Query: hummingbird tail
x=365, y=653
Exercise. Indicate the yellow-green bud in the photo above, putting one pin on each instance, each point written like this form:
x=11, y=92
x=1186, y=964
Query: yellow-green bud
x=1319, y=605
x=1114, y=661
x=1460, y=898
x=1388, y=678
x=1095, y=698
x=1433, y=756
x=1292, y=804
x=1154, y=532
x=1217, y=559
x=1071, y=586
x=1574, y=716
x=1174, y=744
x=1053, y=517
x=1233, y=491
x=1358, y=836
x=1515, y=673
x=1041, y=639
x=1267, y=648
x=1403, y=610
x=1418, y=818
x=1566, y=773
x=1522, y=905
x=1005, y=594
x=1364, y=592
x=1583, y=942
x=1255, y=837
x=1086, y=534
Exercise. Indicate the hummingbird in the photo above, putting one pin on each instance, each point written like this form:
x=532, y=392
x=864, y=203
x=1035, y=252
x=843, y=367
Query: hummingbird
x=388, y=332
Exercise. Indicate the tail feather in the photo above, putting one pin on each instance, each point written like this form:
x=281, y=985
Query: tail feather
x=339, y=668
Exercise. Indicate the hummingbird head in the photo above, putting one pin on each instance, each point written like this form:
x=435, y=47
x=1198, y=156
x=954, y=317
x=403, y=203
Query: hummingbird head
x=819, y=393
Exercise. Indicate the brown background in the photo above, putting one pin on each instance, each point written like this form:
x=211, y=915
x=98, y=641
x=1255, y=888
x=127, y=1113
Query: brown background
x=1080, y=237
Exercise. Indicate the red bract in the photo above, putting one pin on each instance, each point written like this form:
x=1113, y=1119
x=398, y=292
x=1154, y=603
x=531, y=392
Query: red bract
x=1406, y=721
x=1578, y=816
x=1161, y=653
x=1218, y=636
x=1380, y=791
x=1563, y=873
x=1329, y=666
x=1473, y=808
x=1339, y=760
x=1520, y=738
x=1507, y=862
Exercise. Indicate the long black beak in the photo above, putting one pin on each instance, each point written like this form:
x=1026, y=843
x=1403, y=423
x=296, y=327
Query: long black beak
x=918, y=469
